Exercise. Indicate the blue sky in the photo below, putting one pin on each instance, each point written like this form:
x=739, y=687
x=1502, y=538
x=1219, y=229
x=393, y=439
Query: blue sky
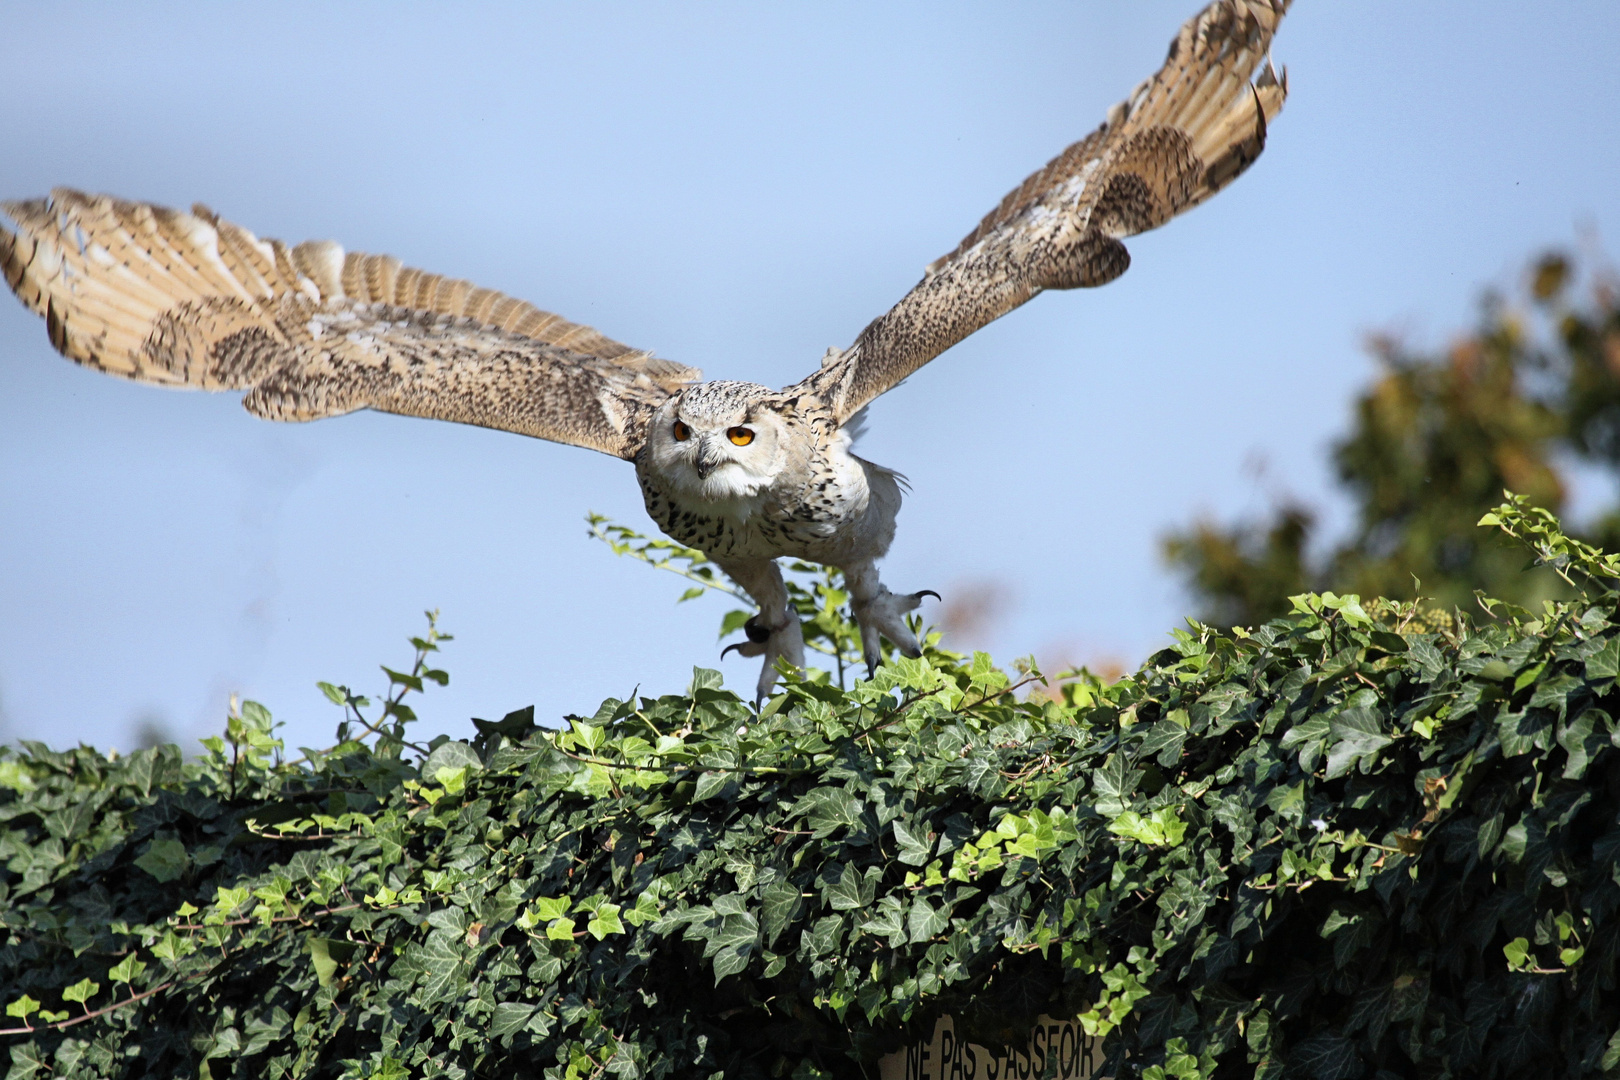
x=737, y=188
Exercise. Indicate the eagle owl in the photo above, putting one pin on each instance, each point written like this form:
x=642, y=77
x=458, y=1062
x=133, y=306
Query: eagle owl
x=745, y=473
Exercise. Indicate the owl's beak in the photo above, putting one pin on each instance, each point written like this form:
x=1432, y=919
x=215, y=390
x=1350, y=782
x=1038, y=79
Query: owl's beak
x=709, y=456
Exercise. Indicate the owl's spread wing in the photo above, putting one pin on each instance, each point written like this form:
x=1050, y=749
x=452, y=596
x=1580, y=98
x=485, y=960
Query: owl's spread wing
x=189, y=300
x=1180, y=137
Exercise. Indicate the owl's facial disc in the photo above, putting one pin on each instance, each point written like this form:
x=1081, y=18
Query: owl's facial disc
x=717, y=442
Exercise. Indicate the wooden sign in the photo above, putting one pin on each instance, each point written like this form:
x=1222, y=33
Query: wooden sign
x=1055, y=1048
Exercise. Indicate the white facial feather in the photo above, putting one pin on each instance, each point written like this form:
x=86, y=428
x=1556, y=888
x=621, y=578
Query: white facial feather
x=709, y=464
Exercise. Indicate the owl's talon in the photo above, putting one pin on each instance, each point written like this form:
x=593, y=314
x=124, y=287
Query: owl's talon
x=785, y=641
x=882, y=612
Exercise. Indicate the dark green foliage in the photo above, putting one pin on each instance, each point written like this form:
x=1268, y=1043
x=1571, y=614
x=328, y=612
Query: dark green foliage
x=1329, y=847
x=1432, y=444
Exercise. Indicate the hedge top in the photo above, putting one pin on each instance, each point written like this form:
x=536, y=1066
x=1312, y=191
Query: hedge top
x=1363, y=837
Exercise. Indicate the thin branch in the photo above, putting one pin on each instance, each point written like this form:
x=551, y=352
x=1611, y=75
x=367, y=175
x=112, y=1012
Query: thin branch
x=62, y=1025
x=301, y=917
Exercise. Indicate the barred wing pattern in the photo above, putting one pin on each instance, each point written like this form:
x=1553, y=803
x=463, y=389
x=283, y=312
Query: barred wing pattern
x=190, y=300
x=1180, y=137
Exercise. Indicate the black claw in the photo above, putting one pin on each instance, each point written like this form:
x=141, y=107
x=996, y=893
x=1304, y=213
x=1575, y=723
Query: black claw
x=871, y=668
x=757, y=632
x=728, y=648
x=930, y=592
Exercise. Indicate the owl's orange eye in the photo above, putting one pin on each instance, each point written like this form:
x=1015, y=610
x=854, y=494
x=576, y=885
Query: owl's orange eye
x=740, y=436
x=682, y=432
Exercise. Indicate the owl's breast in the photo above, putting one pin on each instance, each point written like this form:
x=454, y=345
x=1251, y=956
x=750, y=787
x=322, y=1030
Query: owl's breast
x=840, y=508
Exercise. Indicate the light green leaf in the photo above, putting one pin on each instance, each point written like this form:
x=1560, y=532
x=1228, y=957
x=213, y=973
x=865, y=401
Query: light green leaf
x=81, y=991
x=15, y=776
x=126, y=970
x=605, y=922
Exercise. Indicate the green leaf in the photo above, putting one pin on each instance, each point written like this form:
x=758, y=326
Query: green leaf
x=511, y=1017
x=400, y=678
x=23, y=1007
x=846, y=888
x=781, y=906
x=256, y=715
x=126, y=970
x=81, y=991
x=829, y=809
x=924, y=921
x=321, y=956
x=915, y=849
x=1356, y=734
x=165, y=860
x=604, y=922
x=710, y=784
x=337, y=695
x=1326, y=1057
x=551, y=908
x=1605, y=663
x=15, y=776
x=453, y=754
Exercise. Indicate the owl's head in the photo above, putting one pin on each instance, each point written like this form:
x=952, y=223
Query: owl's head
x=718, y=440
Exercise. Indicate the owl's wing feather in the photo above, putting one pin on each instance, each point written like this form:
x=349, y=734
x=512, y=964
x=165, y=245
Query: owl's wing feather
x=190, y=300
x=1180, y=137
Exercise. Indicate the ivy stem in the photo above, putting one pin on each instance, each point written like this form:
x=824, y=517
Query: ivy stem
x=61, y=1025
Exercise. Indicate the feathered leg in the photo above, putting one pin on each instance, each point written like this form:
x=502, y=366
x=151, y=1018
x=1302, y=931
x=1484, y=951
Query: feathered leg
x=775, y=631
x=879, y=611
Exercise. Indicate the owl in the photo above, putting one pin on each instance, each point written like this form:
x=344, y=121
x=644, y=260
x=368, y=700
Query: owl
x=745, y=473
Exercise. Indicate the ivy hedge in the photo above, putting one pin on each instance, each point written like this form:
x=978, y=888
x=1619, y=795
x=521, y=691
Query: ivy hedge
x=1366, y=840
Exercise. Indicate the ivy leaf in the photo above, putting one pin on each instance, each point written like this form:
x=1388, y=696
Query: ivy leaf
x=511, y=1017
x=126, y=970
x=828, y=809
x=924, y=921
x=81, y=991
x=915, y=849
x=1356, y=734
x=604, y=922
x=1113, y=783
x=710, y=784
x=1605, y=663
x=450, y=755
x=23, y=1007
x=326, y=955
x=164, y=859
x=1326, y=1057
x=781, y=906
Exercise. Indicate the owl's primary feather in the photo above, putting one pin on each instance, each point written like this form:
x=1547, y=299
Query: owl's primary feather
x=743, y=472
x=1181, y=136
x=190, y=300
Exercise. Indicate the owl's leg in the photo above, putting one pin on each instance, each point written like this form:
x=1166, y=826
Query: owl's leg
x=879, y=611
x=775, y=631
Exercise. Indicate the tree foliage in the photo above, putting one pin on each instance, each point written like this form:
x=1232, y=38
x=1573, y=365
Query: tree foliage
x=1433, y=443
x=1343, y=842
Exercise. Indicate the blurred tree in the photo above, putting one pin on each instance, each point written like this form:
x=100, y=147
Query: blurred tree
x=1434, y=442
